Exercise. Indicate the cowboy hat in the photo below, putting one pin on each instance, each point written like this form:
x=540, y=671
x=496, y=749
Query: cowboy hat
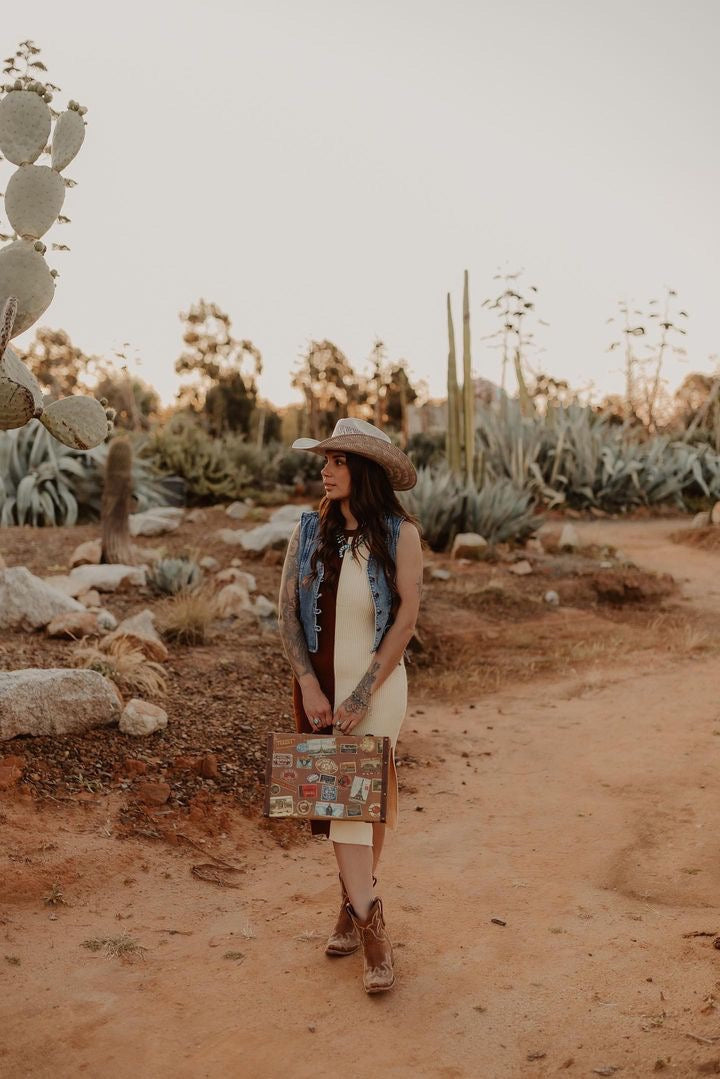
x=359, y=436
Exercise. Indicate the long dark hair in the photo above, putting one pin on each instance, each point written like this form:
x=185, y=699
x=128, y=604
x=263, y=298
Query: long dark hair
x=372, y=500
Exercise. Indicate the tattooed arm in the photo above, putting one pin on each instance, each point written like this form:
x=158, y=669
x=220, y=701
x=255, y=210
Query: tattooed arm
x=292, y=635
x=385, y=660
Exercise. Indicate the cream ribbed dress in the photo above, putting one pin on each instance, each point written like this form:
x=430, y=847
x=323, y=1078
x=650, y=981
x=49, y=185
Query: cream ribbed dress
x=354, y=638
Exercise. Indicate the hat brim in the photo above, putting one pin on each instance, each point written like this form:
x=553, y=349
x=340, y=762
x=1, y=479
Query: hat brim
x=397, y=464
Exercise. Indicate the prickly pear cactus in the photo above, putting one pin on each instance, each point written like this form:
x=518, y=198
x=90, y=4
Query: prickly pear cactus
x=33, y=202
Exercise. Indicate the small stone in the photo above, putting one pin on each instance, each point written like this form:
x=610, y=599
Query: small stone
x=552, y=598
x=106, y=619
x=153, y=794
x=141, y=718
x=469, y=545
x=715, y=514
x=264, y=608
x=522, y=568
x=10, y=775
x=156, y=521
x=74, y=625
x=87, y=554
x=207, y=766
x=108, y=578
x=140, y=631
x=133, y=767
x=196, y=516
x=569, y=538
x=439, y=574
x=702, y=520
x=233, y=600
x=238, y=511
x=231, y=536
x=208, y=562
x=232, y=574
x=91, y=598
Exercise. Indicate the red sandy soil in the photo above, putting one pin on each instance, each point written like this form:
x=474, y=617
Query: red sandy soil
x=578, y=809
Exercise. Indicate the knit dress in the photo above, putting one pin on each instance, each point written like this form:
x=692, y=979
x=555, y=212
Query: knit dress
x=347, y=635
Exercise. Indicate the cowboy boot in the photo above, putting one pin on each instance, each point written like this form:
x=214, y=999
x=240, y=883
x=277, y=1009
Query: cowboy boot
x=378, y=974
x=344, y=939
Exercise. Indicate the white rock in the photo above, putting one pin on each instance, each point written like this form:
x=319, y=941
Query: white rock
x=274, y=534
x=228, y=576
x=140, y=630
x=65, y=584
x=569, y=538
x=237, y=510
x=521, y=569
x=106, y=619
x=209, y=563
x=290, y=514
x=439, y=574
x=196, y=516
x=27, y=602
x=156, y=521
x=108, y=578
x=233, y=600
x=715, y=514
x=141, y=718
x=231, y=536
x=87, y=554
x=264, y=608
x=468, y=545
x=55, y=701
x=701, y=520
x=552, y=598
x=91, y=598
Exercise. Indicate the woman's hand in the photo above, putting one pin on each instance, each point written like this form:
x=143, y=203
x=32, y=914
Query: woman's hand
x=317, y=706
x=351, y=712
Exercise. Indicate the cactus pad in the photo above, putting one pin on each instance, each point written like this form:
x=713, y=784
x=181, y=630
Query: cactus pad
x=33, y=200
x=25, y=122
x=79, y=422
x=20, y=395
x=67, y=138
x=25, y=275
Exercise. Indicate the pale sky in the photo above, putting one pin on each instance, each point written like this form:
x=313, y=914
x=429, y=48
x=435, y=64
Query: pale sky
x=328, y=168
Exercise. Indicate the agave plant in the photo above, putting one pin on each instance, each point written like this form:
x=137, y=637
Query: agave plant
x=174, y=575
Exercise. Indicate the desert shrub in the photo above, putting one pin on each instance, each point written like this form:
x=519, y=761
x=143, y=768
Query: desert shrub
x=293, y=465
x=426, y=450
x=187, y=617
x=445, y=506
x=123, y=663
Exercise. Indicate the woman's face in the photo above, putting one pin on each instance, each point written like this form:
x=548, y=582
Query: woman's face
x=336, y=476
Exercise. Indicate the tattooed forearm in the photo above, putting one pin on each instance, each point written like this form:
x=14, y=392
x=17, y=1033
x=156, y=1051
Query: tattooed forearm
x=359, y=699
x=291, y=631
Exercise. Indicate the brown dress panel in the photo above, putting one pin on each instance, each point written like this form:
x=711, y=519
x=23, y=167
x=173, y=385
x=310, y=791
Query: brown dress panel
x=323, y=664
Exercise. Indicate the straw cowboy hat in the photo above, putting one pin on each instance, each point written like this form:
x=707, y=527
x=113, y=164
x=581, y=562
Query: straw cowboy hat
x=359, y=436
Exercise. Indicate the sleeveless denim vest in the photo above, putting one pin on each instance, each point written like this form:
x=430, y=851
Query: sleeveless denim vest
x=309, y=589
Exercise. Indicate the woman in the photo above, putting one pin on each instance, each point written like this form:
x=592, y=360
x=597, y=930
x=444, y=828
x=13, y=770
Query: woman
x=349, y=600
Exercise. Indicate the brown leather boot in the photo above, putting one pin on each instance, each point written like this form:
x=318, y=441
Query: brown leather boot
x=378, y=974
x=344, y=939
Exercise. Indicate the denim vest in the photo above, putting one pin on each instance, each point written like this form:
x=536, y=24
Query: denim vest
x=309, y=587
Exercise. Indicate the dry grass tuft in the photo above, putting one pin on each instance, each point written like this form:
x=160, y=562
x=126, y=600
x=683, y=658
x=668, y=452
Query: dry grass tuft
x=187, y=617
x=122, y=947
x=55, y=897
x=124, y=664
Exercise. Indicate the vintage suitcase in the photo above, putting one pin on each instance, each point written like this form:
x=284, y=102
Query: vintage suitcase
x=325, y=777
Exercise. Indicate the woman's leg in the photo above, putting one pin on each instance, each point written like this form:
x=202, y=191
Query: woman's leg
x=377, y=844
x=355, y=862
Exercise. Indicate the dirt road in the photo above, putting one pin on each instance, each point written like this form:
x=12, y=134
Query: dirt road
x=582, y=814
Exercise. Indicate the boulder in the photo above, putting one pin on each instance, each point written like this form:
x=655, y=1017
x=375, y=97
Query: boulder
x=264, y=608
x=521, y=569
x=140, y=718
x=701, y=520
x=233, y=600
x=288, y=514
x=469, y=545
x=275, y=534
x=209, y=563
x=87, y=554
x=569, y=538
x=156, y=521
x=140, y=630
x=238, y=511
x=27, y=602
x=74, y=624
x=108, y=578
x=232, y=575
x=55, y=701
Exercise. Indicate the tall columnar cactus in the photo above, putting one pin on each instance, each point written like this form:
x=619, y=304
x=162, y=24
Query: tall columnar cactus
x=468, y=388
x=116, y=504
x=33, y=201
x=452, y=438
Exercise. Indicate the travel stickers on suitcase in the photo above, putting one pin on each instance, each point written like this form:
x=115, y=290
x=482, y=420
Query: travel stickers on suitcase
x=320, y=777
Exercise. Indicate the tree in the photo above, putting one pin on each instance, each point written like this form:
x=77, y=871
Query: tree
x=59, y=366
x=329, y=385
x=221, y=387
